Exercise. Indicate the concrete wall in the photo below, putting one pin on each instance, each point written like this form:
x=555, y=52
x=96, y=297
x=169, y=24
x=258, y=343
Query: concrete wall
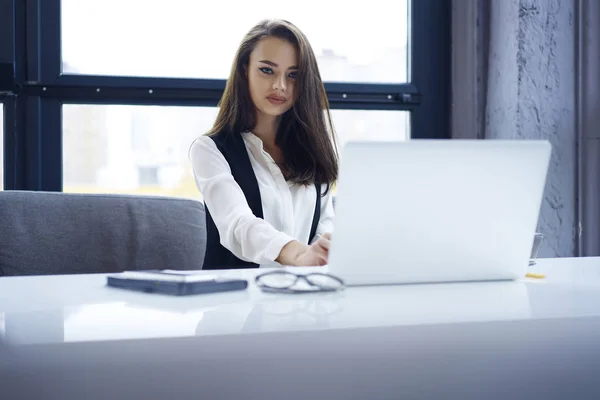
x=525, y=81
x=531, y=94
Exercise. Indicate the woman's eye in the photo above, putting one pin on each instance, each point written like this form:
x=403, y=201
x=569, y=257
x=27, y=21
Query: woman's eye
x=293, y=75
x=266, y=70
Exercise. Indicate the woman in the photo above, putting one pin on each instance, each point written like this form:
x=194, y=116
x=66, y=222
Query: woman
x=266, y=167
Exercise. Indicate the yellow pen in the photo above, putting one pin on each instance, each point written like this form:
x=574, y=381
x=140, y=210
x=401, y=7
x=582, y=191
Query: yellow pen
x=535, y=275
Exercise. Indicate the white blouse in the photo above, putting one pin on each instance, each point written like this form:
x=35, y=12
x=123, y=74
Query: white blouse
x=288, y=208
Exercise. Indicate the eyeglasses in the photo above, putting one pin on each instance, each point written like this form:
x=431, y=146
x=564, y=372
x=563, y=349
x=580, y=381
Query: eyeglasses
x=282, y=281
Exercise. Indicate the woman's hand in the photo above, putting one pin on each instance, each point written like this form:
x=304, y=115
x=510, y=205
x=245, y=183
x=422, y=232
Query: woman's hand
x=317, y=253
x=298, y=254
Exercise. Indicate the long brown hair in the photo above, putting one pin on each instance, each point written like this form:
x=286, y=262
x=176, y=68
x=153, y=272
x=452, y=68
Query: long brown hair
x=305, y=132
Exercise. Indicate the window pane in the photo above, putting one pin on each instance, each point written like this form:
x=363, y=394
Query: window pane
x=144, y=149
x=192, y=38
x=1, y=146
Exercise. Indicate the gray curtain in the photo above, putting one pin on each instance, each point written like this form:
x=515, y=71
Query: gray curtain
x=530, y=69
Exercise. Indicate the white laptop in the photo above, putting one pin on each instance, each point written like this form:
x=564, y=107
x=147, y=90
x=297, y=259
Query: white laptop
x=437, y=210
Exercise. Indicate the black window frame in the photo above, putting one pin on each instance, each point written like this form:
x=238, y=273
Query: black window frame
x=34, y=89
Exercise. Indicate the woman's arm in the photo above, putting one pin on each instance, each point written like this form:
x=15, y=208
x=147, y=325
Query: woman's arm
x=248, y=237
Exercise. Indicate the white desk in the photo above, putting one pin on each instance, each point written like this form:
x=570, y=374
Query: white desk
x=67, y=334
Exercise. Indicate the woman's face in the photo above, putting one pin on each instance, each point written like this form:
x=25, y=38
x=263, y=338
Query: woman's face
x=272, y=75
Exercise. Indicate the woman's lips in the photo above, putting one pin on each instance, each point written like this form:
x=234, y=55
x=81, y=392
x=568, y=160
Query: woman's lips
x=276, y=100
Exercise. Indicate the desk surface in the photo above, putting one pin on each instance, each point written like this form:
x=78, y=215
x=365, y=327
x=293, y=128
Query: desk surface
x=76, y=308
x=534, y=339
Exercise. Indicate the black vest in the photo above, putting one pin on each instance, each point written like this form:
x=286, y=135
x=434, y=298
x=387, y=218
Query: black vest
x=234, y=150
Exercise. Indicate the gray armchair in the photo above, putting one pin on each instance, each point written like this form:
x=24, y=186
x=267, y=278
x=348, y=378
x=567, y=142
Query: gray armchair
x=57, y=233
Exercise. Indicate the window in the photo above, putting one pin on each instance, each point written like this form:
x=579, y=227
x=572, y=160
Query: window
x=106, y=95
x=185, y=40
x=144, y=149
